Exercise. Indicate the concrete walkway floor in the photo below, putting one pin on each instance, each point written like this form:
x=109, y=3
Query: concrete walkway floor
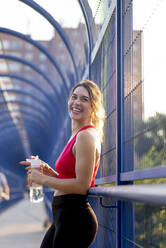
x=21, y=226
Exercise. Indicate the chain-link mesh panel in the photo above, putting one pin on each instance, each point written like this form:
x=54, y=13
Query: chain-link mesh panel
x=144, y=114
x=97, y=11
x=103, y=72
x=106, y=236
x=150, y=226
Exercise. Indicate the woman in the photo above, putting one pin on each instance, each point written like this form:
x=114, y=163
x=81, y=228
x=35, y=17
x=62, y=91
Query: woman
x=4, y=188
x=74, y=222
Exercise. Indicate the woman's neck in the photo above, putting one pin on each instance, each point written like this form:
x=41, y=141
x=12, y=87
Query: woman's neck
x=78, y=126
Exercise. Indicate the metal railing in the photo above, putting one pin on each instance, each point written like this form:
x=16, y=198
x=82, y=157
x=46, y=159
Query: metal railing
x=153, y=194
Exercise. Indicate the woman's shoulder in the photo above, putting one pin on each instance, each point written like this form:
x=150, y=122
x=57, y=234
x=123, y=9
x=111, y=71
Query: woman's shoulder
x=89, y=135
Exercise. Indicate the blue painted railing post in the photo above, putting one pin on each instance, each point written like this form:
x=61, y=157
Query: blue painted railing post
x=82, y=6
x=119, y=106
x=125, y=211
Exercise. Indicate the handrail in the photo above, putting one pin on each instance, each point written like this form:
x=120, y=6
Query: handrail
x=153, y=194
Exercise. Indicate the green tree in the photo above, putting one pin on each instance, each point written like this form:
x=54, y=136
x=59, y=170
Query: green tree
x=150, y=143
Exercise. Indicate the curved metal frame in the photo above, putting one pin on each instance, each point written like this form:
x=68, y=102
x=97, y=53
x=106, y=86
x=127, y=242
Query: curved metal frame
x=10, y=124
x=28, y=81
x=34, y=67
x=9, y=120
x=56, y=25
x=11, y=127
x=26, y=104
x=23, y=113
x=21, y=92
x=40, y=47
x=37, y=132
x=32, y=134
x=7, y=127
x=38, y=129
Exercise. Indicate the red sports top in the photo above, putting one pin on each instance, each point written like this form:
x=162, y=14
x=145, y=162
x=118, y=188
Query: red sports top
x=65, y=164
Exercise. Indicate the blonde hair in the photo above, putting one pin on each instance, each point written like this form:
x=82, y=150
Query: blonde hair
x=96, y=98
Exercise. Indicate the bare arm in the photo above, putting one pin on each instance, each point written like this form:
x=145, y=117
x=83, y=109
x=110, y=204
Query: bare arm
x=5, y=192
x=85, y=150
x=44, y=167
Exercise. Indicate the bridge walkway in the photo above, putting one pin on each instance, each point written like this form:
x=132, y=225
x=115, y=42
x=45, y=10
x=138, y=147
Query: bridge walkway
x=22, y=225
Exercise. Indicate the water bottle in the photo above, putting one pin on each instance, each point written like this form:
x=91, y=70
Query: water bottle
x=36, y=190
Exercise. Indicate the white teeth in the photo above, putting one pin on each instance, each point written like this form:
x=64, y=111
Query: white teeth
x=76, y=110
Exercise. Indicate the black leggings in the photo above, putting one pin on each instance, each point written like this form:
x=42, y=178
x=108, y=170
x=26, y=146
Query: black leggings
x=74, y=223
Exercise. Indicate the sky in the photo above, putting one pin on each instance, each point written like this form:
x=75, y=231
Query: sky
x=149, y=16
x=23, y=18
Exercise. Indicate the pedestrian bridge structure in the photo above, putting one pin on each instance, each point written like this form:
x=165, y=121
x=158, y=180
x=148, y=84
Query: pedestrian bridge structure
x=114, y=45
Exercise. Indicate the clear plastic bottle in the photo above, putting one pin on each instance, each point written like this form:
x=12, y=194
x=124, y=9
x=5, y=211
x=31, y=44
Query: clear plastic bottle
x=36, y=191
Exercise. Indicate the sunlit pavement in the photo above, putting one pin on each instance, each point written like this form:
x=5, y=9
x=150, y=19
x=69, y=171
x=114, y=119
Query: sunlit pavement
x=21, y=226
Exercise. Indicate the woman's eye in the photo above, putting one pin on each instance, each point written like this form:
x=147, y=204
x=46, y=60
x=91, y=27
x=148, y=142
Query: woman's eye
x=84, y=99
x=73, y=97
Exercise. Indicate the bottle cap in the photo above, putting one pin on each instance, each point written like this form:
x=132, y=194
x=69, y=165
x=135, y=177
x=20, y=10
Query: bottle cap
x=34, y=162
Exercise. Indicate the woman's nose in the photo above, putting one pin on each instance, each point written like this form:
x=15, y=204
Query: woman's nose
x=77, y=101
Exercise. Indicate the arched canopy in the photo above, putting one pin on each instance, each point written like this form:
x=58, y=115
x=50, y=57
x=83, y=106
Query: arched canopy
x=37, y=120
x=32, y=83
x=57, y=99
x=23, y=93
x=38, y=46
x=57, y=26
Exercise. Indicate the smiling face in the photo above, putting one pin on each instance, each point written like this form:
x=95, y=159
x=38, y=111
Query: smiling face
x=79, y=106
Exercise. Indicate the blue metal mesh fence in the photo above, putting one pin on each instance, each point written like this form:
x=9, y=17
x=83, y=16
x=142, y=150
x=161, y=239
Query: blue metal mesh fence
x=144, y=125
x=145, y=116
x=150, y=226
x=103, y=72
x=106, y=215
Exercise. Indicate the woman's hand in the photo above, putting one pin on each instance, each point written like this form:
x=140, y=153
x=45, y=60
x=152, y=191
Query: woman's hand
x=43, y=168
x=34, y=176
x=47, y=170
